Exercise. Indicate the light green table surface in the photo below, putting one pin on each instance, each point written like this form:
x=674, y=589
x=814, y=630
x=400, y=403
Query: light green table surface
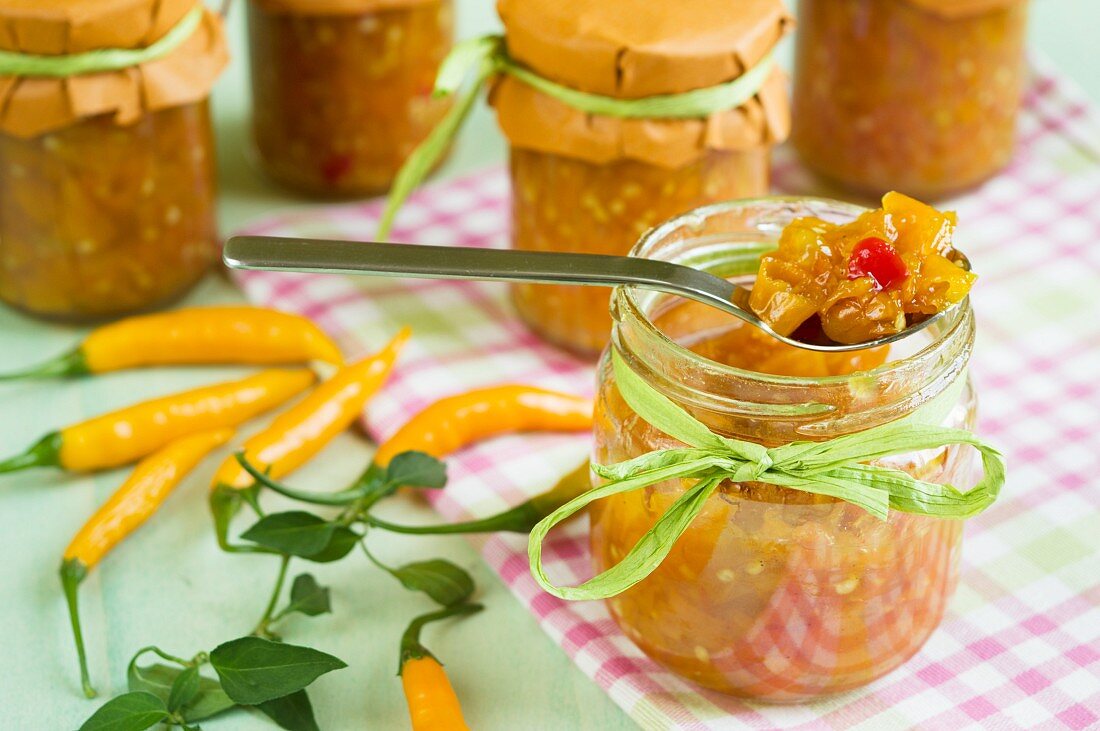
x=171, y=586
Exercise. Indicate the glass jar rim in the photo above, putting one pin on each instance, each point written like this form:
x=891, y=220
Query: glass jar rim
x=922, y=374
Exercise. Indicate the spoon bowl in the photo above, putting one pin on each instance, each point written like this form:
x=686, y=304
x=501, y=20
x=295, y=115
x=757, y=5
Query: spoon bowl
x=272, y=253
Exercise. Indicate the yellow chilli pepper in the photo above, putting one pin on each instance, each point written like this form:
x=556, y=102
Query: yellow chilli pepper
x=457, y=421
x=301, y=432
x=140, y=496
x=196, y=336
x=125, y=436
x=433, y=705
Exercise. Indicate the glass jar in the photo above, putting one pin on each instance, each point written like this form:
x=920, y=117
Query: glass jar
x=593, y=182
x=773, y=593
x=99, y=219
x=913, y=95
x=565, y=204
x=340, y=99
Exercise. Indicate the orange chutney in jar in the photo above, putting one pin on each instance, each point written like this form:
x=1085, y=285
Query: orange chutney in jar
x=342, y=89
x=107, y=190
x=915, y=95
x=592, y=183
x=774, y=593
x=98, y=219
x=564, y=204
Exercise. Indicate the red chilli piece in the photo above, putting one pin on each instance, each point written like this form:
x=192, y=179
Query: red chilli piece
x=878, y=259
x=335, y=168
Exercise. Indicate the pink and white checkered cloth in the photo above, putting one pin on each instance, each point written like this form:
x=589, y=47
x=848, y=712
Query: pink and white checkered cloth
x=1020, y=645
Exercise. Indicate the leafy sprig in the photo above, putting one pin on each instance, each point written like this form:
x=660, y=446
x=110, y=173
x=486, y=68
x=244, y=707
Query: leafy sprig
x=259, y=671
x=252, y=672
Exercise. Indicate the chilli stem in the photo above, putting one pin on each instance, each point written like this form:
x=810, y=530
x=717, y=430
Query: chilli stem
x=46, y=452
x=343, y=497
x=411, y=648
x=265, y=620
x=516, y=520
x=72, y=573
x=63, y=366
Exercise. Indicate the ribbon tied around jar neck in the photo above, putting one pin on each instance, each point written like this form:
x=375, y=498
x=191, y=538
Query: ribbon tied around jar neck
x=13, y=63
x=484, y=57
x=835, y=468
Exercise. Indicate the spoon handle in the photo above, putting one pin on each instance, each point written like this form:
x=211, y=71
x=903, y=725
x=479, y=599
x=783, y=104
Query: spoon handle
x=447, y=262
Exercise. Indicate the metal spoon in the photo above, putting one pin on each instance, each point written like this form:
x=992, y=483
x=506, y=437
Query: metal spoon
x=273, y=253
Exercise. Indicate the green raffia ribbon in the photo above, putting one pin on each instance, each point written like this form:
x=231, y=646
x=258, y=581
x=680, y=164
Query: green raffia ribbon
x=836, y=468
x=105, y=59
x=485, y=56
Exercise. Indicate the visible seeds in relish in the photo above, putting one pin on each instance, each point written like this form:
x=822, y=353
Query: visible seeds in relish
x=847, y=586
x=878, y=259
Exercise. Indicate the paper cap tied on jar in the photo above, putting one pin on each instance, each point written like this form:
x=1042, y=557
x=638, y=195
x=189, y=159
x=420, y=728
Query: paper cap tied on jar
x=631, y=50
x=336, y=7
x=63, y=61
x=657, y=82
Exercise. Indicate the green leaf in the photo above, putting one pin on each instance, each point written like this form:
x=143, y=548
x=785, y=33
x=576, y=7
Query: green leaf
x=416, y=469
x=159, y=679
x=254, y=670
x=444, y=582
x=296, y=532
x=184, y=689
x=293, y=712
x=130, y=712
x=340, y=545
x=308, y=597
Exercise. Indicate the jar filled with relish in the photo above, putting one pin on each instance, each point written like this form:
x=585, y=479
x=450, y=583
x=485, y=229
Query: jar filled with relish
x=342, y=89
x=592, y=182
x=917, y=95
x=771, y=592
x=106, y=160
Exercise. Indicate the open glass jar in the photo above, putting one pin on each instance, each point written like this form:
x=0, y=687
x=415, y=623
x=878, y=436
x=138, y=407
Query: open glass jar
x=774, y=593
x=913, y=95
x=593, y=183
x=107, y=190
x=342, y=89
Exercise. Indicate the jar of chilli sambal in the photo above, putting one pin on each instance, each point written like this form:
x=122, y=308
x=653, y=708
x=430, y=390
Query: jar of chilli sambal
x=106, y=160
x=587, y=182
x=914, y=95
x=342, y=89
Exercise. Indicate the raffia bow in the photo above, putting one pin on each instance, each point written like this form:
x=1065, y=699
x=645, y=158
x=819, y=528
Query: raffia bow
x=837, y=468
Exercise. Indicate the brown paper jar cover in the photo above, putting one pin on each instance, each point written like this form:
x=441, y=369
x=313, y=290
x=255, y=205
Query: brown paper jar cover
x=631, y=49
x=30, y=106
x=961, y=8
x=335, y=7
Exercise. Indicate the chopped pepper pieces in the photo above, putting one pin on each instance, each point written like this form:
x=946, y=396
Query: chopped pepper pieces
x=865, y=279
